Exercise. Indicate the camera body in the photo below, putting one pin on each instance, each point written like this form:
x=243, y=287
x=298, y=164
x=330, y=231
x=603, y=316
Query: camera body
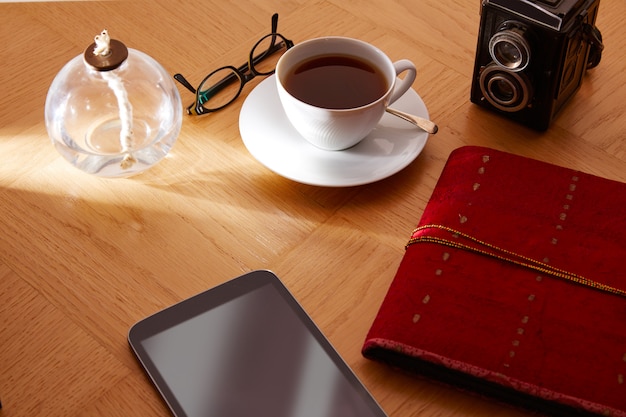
x=532, y=55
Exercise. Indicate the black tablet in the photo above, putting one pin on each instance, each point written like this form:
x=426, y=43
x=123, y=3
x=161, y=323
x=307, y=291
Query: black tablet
x=247, y=348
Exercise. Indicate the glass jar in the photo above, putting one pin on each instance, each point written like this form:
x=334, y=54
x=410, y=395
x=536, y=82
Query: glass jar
x=115, y=114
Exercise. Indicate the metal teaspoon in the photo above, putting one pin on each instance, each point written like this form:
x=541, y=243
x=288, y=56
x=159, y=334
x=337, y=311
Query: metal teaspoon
x=420, y=122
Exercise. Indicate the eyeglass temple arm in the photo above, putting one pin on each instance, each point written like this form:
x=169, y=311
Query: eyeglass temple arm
x=181, y=79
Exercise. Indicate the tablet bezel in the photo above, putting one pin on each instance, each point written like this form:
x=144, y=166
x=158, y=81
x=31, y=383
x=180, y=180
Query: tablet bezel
x=212, y=298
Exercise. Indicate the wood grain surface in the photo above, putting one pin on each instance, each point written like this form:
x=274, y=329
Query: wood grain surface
x=83, y=258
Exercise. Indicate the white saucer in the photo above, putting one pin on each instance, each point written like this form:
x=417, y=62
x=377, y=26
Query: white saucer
x=272, y=140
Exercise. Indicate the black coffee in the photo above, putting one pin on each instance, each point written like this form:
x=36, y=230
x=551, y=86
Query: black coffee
x=336, y=82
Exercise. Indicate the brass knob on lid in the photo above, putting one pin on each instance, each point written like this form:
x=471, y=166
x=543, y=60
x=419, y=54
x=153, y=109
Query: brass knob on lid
x=105, y=54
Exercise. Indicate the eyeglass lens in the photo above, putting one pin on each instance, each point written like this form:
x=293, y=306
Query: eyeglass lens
x=266, y=52
x=220, y=88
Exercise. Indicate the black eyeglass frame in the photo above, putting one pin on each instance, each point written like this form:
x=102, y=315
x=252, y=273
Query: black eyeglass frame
x=243, y=74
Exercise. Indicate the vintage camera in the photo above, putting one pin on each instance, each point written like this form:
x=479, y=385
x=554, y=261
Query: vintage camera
x=532, y=55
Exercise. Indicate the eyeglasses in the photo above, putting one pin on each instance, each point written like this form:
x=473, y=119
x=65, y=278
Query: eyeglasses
x=223, y=86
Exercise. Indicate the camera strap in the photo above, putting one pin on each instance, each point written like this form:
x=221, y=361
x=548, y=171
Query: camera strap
x=593, y=36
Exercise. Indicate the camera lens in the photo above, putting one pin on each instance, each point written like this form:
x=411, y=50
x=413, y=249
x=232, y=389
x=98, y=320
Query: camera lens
x=508, y=54
x=509, y=47
x=505, y=90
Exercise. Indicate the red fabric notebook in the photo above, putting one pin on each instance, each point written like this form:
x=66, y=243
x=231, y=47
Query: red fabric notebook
x=514, y=285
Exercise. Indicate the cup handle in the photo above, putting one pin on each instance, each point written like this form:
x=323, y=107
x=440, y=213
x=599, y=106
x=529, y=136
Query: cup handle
x=403, y=85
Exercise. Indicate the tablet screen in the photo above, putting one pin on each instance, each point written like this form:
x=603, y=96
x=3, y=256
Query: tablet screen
x=246, y=348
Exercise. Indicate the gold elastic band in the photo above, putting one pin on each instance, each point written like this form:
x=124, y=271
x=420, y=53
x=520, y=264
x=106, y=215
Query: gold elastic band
x=509, y=256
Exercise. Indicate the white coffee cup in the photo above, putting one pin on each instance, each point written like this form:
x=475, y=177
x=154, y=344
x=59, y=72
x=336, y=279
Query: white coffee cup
x=340, y=128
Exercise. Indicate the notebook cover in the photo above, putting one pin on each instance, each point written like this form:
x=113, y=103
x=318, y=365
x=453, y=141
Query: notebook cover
x=513, y=285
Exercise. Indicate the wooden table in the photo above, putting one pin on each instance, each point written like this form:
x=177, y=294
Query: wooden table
x=83, y=258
